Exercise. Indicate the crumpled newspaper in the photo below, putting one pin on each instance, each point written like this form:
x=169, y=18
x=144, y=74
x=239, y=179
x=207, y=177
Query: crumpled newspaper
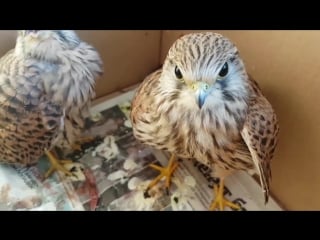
x=183, y=193
x=108, y=149
x=23, y=188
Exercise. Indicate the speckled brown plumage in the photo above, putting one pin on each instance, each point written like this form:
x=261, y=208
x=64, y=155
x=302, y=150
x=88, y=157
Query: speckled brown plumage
x=192, y=109
x=46, y=83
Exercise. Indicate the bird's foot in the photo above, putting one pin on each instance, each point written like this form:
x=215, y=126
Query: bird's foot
x=164, y=172
x=220, y=202
x=57, y=165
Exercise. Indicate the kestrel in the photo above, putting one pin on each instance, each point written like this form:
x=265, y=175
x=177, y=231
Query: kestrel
x=203, y=105
x=46, y=84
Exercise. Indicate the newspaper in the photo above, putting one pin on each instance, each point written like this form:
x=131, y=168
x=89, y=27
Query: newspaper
x=118, y=167
x=24, y=188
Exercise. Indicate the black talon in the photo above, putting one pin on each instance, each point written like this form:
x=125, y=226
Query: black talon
x=146, y=193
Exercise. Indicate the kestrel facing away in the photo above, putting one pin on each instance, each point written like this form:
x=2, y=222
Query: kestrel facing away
x=46, y=84
x=203, y=105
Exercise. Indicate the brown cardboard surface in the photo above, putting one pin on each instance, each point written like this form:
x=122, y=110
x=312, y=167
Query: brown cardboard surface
x=128, y=55
x=287, y=66
x=7, y=40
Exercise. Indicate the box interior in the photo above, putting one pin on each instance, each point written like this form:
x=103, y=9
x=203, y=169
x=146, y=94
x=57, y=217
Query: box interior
x=286, y=65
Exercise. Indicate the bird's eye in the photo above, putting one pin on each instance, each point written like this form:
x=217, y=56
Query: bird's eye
x=224, y=70
x=178, y=73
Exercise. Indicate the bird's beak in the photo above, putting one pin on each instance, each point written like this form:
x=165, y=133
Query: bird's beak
x=202, y=90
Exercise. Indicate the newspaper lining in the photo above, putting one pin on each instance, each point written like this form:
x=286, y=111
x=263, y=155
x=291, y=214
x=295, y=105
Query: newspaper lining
x=119, y=164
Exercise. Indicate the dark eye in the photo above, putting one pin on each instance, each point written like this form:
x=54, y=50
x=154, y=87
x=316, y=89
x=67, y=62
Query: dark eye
x=178, y=73
x=224, y=70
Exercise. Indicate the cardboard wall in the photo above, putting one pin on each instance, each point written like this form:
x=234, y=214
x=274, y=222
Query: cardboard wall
x=287, y=66
x=127, y=55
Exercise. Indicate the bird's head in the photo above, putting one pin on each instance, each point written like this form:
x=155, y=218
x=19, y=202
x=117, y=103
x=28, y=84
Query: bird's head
x=46, y=43
x=205, y=67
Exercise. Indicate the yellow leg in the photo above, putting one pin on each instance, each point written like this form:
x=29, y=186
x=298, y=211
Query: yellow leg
x=56, y=165
x=79, y=142
x=164, y=172
x=219, y=201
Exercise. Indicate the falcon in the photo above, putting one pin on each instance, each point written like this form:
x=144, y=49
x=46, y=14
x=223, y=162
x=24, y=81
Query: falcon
x=46, y=84
x=203, y=105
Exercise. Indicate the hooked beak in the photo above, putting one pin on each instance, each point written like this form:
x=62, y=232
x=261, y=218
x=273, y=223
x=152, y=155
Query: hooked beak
x=202, y=90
